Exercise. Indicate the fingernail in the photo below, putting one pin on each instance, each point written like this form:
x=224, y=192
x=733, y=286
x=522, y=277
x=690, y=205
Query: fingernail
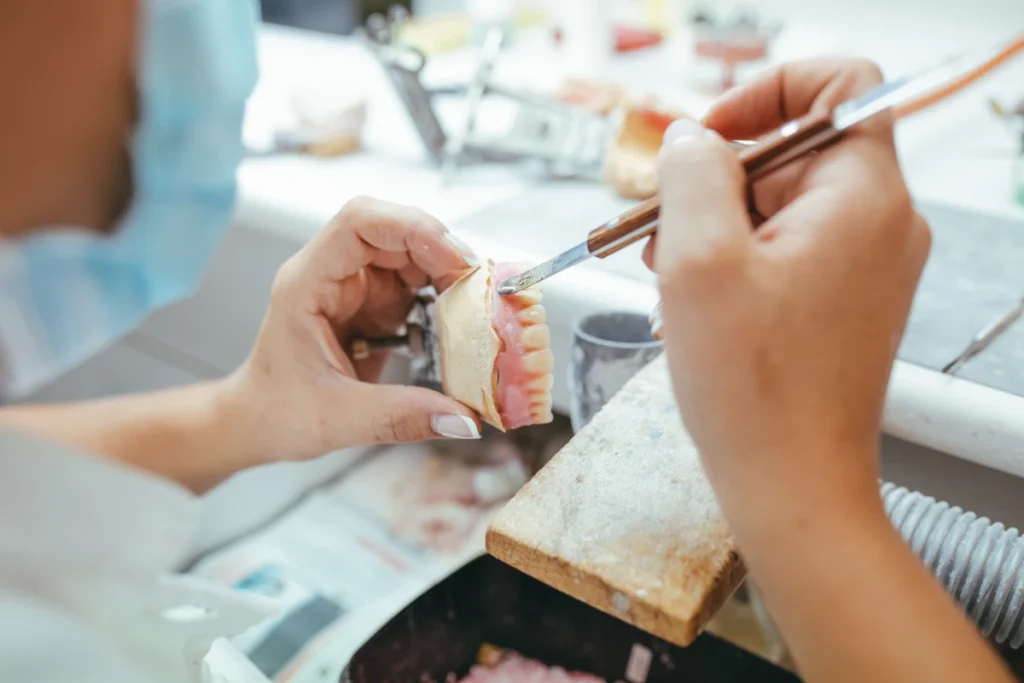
x=454, y=427
x=463, y=249
x=656, y=321
x=682, y=130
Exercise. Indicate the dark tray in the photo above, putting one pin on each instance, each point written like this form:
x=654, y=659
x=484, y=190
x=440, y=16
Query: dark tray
x=488, y=602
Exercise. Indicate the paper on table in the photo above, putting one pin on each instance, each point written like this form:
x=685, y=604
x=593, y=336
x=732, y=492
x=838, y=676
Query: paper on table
x=401, y=516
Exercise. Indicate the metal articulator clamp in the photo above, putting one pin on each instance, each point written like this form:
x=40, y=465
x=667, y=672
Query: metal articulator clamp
x=418, y=341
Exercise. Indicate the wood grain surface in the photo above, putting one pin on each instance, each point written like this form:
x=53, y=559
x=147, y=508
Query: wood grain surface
x=624, y=519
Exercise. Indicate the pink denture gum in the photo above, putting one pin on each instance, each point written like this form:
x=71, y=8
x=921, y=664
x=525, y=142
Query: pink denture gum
x=523, y=386
x=495, y=351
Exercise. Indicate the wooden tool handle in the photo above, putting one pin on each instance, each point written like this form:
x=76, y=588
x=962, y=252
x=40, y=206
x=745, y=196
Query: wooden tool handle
x=794, y=139
x=642, y=220
x=792, y=136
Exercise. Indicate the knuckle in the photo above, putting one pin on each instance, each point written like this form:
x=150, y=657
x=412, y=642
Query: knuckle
x=921, y=236
x=385, y=428
x=284, y=280
x=867, y=70
x=901, y=207
x=419, y=221
x=396, y=427
x=358, y=206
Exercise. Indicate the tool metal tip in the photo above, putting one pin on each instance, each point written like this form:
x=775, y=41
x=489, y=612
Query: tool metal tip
x=504, y=289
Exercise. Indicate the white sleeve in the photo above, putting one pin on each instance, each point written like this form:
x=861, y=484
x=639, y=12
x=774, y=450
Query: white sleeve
x=40, y=645
x=87, y=554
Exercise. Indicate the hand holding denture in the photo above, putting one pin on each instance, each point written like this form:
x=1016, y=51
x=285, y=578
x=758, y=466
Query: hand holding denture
x=496, y=350
x=357, y=278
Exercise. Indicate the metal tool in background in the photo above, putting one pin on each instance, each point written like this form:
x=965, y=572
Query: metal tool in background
x=567, y=141
x=418, y=341
x=795, y=139
x=403, y=64
x=985, y=336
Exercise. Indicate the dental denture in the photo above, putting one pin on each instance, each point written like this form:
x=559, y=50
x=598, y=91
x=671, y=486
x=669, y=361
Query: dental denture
x=496, y=350
x=632, y=157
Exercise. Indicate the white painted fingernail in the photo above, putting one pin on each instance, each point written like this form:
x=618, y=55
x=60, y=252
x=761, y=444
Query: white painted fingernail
x=681, y=131
x=463, y=249
x=454, y=427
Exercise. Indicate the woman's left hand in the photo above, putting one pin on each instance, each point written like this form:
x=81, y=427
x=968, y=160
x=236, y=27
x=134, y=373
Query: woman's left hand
x=357, y=278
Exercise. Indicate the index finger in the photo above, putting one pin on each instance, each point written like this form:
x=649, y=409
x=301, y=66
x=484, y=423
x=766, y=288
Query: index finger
x=375, y=232
x=789, y=91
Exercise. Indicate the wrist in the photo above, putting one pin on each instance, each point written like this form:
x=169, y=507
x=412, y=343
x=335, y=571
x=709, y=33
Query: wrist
x=775, y=495
x=236, y=411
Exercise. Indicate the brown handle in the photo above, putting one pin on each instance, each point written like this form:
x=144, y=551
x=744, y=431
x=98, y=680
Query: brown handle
x=806, y=134
x=809, y=133
x=641, y=219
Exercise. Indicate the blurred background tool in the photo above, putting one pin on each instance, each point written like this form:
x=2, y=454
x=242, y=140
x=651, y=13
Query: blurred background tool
x=984, y=338
x=566, y=141
x=791, y=141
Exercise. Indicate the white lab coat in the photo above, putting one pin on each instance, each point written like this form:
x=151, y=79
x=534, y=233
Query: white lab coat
x=86, y=547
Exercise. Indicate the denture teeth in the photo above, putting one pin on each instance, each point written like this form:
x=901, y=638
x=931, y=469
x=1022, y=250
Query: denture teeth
x=542, y=416
x=536, y=337
x=543, y=384
x=540, y=401
x=539, y=362
x=532, y=315
x=528, y=297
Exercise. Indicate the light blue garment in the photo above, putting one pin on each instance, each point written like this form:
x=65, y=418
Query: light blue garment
x=66, y=294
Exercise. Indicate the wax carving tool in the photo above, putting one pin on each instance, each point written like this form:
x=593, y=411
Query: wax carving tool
x=792, y=141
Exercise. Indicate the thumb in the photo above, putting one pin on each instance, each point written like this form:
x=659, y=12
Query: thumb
x=387, y=414
x=705, y=226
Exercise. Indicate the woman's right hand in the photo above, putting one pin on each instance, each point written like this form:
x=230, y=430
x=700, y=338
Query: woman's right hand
x=781, y=340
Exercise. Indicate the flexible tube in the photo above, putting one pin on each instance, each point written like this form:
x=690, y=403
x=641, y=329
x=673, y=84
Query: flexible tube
x=980, y=563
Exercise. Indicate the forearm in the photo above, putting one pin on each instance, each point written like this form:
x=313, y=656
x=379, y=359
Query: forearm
x=197, y=435
x=852, y=600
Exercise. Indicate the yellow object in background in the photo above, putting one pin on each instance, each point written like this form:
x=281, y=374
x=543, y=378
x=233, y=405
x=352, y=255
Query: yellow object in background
x=450, y=32
x=437, y=35
x=658, y=16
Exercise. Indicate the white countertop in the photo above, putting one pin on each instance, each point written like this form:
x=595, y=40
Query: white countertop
x=955, y=154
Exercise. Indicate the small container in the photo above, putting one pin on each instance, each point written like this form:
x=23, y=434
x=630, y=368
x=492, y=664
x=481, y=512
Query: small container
x=437, y=638
x=607, y=350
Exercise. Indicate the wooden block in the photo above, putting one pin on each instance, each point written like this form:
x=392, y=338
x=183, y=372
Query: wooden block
x=624, y=519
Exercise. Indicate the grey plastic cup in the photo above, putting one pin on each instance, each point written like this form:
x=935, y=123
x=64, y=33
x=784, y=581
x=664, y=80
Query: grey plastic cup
x=607, y=350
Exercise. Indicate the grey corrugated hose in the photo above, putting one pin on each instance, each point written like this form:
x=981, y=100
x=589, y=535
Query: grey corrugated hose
x=980, y=563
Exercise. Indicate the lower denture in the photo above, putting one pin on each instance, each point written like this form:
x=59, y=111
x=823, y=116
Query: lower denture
x=523, y=365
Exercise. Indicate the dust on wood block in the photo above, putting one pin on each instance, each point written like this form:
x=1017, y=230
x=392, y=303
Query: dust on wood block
x=624, y=519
